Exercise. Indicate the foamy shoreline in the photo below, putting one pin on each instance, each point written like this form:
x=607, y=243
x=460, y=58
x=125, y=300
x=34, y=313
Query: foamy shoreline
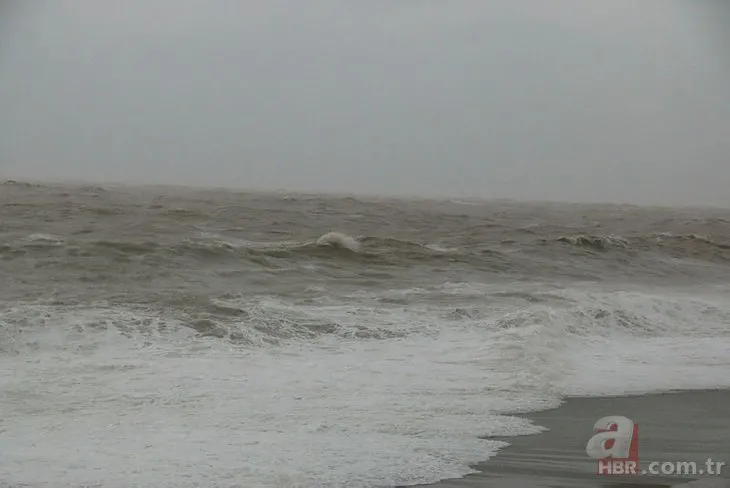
x=689, y=426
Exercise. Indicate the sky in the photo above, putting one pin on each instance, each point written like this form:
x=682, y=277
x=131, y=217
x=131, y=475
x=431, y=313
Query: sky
x=607, y=100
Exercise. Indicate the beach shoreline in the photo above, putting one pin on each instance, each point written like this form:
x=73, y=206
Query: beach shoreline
x=682, y=426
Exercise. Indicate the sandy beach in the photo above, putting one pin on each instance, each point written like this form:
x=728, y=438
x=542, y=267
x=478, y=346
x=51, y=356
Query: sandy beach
x=684, y=426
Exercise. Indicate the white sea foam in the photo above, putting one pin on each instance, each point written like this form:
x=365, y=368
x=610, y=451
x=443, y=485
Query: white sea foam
x=337, y=239
x=122, y=398
x=439, y=248
x=45, y=239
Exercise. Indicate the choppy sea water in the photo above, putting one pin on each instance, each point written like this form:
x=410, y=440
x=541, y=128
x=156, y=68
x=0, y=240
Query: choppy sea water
x=161, y=337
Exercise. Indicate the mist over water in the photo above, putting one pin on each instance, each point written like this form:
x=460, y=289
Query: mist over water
x=179, y=337
x=611, y=101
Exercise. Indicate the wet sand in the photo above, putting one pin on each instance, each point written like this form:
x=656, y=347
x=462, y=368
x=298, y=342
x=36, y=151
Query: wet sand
x=684, y=426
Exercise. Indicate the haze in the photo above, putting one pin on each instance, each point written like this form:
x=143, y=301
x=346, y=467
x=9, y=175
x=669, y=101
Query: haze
x=614, y=100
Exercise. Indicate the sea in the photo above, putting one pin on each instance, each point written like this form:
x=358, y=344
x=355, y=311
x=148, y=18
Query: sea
x=181, y=337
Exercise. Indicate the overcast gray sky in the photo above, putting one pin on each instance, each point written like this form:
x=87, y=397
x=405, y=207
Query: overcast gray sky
x=605, y=100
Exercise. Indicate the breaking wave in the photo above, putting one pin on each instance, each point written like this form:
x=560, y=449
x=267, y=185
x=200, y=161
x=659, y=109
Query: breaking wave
x=508, y=256
x=338, y=240
x=597, y=242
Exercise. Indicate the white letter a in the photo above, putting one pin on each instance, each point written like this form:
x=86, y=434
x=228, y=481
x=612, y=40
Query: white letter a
x=618, y=429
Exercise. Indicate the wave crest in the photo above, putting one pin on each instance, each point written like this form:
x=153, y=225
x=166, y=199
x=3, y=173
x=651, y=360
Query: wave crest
x=598, y=242
x=340, y=241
